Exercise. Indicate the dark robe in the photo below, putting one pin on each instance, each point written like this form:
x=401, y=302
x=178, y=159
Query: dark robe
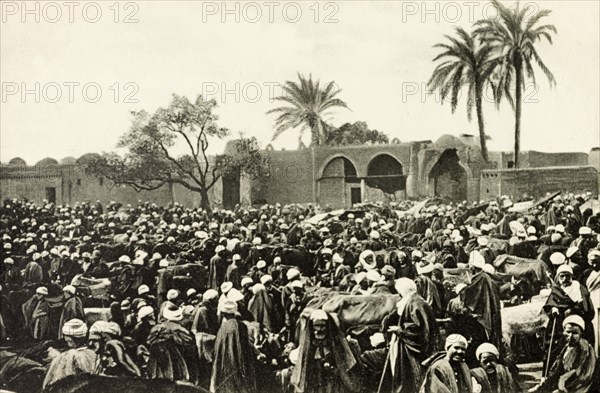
x=503, y=383
x=205, y=320
x=427, y=289
x=28, y=309
x=414, y=344
x=233, y=275
x=123, y=365
x=442, y=377
x=324, y=367
x=37, y=318
x=261, y=308
x=523, y=249
x=573, y=370
x=482, y=298
x=218, y=269
x=141, y=331
x=73, y=308
x=234, y=360
x=33, y=273
x=173, y=353
x=585, y=309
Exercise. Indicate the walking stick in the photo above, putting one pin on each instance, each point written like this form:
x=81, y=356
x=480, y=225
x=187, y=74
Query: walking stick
x=387, y=360
x=550, y=347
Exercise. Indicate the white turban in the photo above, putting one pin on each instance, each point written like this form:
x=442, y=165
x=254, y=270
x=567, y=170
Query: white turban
x=453, y=339
x=405, y=286
x=486, y=348
x=75, y=328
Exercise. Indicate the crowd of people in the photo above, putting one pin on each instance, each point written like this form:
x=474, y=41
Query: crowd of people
x=232, y=300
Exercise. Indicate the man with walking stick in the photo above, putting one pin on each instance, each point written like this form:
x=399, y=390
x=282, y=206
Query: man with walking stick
x=413, y=330
x=573, y=370
x=568, y=297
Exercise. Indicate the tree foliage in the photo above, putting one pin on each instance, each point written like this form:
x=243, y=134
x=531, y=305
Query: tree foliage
x=357, y=133
x=512, y=38
x=466, y=63
x=150, y=161
x=308, y=106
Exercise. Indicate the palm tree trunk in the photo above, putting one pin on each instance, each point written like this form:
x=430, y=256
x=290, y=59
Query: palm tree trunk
x=519, y=78
x=478, y=107
x=320, y=136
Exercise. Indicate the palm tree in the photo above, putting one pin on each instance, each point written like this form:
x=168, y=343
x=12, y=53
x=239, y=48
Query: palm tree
x=308, y=105
x=513, y=38
x=466, y=63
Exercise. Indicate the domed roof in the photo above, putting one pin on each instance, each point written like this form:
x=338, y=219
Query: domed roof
x=17, y=161
x=68, y=161
x=48, y=161
x=87, y=157
x=446, y=141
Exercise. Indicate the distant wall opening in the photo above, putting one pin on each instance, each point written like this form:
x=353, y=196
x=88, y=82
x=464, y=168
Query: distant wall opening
x=336, y=183
x=386, y=173
x=448, y=178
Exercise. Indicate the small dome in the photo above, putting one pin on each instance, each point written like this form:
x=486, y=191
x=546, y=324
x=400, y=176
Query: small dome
x=47, y=162
x=87, y=157
x=447, y=141
x=68, y=161
x=17, y=161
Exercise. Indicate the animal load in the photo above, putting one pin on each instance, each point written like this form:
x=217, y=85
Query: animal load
x=361, y=310
x=98, y=288
x=524, y=319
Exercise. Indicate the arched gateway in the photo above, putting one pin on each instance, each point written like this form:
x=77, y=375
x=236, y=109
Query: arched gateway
x=448, y=178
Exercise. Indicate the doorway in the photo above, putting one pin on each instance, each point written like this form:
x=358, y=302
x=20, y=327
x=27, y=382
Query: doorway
x=51, y=194
x=355, y=196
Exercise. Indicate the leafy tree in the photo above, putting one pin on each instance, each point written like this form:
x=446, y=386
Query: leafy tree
x=357, y=133
x=466, y=63
x=513, y=37
x=150, y=163
x=308, y=105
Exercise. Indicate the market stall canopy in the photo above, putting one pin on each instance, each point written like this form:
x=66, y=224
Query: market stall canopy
x=341, y=214
x=593, y=204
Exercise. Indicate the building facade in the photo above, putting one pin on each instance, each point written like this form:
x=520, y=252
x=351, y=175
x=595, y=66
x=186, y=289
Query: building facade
x=337, y=177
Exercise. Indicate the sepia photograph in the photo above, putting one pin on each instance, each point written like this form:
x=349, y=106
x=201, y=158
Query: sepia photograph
x=310, y=196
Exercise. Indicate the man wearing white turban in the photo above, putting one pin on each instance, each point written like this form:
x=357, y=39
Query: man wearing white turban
x=79, y=359
x=447, y=370
x=573, y=370
x=492, y=376
x=413, y=329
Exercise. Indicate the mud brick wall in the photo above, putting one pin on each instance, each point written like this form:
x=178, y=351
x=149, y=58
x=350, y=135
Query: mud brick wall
x=537, y=182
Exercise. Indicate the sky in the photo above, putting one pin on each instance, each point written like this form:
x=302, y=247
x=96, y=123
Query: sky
x=71, y=73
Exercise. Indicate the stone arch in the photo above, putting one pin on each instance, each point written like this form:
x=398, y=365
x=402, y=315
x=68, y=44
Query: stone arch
x=384, y=164
x=326, y=169
x=385, y=178
x=337, y=182
x=448, y=177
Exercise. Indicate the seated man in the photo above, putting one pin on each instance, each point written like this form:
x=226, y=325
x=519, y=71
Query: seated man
x=573, y=370
x=492, y=376
x=79, y=359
